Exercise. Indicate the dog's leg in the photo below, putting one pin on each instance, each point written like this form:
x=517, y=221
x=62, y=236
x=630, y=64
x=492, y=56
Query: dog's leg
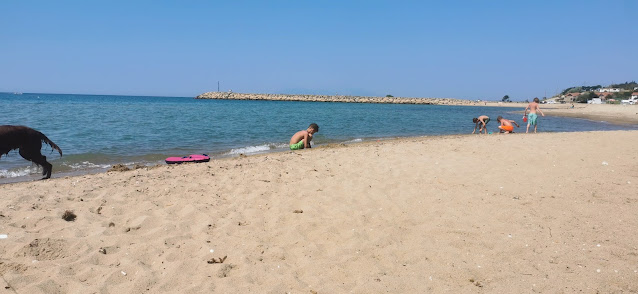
x=26, y=153
x=47, y=168
x=36, y=157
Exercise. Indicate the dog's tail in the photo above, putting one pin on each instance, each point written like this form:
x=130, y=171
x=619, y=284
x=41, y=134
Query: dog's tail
x=50, y=143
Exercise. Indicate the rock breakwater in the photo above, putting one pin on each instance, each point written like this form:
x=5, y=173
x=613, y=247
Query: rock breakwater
x=333, y=98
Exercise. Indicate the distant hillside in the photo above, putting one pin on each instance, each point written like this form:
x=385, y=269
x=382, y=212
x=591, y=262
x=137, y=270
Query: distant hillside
x=625, y=86
x=580, y=89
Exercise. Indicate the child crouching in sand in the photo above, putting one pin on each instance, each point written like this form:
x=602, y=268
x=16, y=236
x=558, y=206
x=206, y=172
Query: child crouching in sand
x=301, y=139
x=481, y=123
x=506, y=125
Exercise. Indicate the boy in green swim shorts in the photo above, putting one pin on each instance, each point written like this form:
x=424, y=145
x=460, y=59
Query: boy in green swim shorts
x=532, y=116
x=301, y=139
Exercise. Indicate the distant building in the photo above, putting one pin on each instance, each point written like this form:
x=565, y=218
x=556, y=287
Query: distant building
x=571, y=97
x=604, y=96
x=632, y=101
x=609, y=90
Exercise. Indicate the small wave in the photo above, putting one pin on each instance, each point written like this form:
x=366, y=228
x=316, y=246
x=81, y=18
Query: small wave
x=357, y=140
x=255, y=149
x=19, y=172
x=86, y=165
x=62, y=167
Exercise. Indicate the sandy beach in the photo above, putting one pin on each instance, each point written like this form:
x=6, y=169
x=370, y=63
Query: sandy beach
x=548, y=213
x=613, y=113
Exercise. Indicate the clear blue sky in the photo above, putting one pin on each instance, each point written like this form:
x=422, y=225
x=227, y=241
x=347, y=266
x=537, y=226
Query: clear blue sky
x=460, y=49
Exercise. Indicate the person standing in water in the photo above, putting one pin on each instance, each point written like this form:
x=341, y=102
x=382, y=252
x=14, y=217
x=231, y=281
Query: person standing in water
x=532, y=116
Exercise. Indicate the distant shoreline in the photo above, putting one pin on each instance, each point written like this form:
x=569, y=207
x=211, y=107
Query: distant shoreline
x=617, y=114
x=612, y=113
x=352, y=99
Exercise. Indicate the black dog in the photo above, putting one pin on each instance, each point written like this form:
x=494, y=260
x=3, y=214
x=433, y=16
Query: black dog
x=29, y=141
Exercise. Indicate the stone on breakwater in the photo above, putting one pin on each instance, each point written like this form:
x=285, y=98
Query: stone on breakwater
x=333, y=98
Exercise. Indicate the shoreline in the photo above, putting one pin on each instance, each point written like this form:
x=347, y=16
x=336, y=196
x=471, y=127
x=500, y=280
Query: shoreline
x=616, y=114
x=422, y=214
x=226, y=155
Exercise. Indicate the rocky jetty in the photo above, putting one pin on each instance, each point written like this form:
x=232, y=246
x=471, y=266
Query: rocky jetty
x=333, y=98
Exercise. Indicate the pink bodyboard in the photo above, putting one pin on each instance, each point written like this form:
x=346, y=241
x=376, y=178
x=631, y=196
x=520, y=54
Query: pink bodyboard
x=190, y=158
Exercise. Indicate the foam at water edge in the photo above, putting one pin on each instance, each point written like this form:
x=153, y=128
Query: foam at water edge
x=255, y=149
x=20, y=172
x=33, y=169
x=354, y=140
x=86, y=164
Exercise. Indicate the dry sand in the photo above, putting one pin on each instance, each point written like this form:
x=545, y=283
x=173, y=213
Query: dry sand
x=547, y=213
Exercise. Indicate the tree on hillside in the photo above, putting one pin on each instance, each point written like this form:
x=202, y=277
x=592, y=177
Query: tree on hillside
x=580, y=89
x=506, y=98
x=586, y=96
x=626, y=85
x=591, y=88
x=389, y=95
x=622, y=95
x=571, y=90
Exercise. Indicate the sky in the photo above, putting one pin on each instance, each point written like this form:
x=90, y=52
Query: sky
x=457, y=49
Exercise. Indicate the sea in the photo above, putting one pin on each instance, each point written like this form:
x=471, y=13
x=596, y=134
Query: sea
x=98, y=131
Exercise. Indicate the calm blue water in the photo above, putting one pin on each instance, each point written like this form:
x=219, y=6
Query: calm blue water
x=95, y=132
